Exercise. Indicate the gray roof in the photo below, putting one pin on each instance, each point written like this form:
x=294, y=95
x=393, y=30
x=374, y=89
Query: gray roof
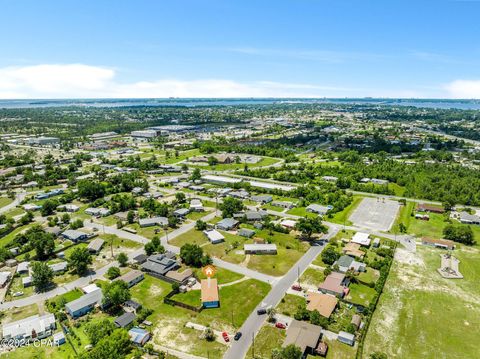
x=181, y=211
x=96, y=244
x=227, y=223
x=318, y=208
x=160, y=221
x=245, y=232
x=159, y=263
x=74, y=234
x=91, y=298
x=124, y=320
x=58, y=267
x=345, y=261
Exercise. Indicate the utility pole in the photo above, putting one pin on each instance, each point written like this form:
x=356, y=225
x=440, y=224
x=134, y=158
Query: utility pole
x=232, y=320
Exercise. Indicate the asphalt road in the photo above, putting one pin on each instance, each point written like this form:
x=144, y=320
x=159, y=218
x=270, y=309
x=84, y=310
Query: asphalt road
x=18, y=198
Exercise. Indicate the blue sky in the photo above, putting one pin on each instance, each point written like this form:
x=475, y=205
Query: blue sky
x=204, y=48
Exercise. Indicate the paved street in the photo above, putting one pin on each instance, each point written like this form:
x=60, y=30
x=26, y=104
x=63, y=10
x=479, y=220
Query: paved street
x=254, y=322
x=19, y=197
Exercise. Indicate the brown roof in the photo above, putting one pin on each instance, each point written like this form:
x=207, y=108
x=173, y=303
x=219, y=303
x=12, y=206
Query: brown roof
x=443, y=242
x=324, y=303
x=179, y=276
x=429, y=208
x=333, y=282
x=129, y=276
x=356, y=320
x=304, y=335
x=209, y=290
x=353, y=249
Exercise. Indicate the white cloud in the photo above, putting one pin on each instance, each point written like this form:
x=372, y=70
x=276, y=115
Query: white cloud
x=466, y=89
x=84, y=81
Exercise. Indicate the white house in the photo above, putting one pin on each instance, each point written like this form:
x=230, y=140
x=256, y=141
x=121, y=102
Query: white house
x=214, y=236
x=361, y=238
x=32, y=327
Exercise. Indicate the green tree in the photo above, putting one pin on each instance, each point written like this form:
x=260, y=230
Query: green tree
x=122, y=259
x=42, y=242
x=200, y=225
x=113, y=272
x=310, y=225
x=192, y=255
x=115, y=293
x=130, y=217
x=97, y=330
x=49, y=207
x=114, y=346
x=329, y=255
x=196, y=175
x=460, y=233
x=378, y=355
x=230, y=206
x=79, y=260
x=180, y=197
x=42, y=276
x=289, y=352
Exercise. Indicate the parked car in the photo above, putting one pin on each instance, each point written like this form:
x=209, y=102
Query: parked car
x=261, y=311
x=280, y=325
x=238, y=335
x=297, y=287
x=225, y=336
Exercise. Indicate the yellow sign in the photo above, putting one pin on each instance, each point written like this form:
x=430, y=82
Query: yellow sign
x=209, y=271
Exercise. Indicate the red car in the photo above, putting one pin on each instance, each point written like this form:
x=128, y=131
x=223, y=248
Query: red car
x=225, y=336
x=296, y=287
x=280, y=325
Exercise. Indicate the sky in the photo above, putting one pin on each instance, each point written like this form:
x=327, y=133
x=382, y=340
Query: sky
x=239, y=48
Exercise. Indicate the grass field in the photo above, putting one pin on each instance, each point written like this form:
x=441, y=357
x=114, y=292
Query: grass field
x=342, y=216
x=422, y=315
x=9, y=237
x=5, y=201
x=268, y=338
x=169, y=321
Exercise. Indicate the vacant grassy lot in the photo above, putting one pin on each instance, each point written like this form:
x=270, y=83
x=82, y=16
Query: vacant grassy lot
x=169, y=321
x=267, y=339
x=421, y=314
x=5, y=201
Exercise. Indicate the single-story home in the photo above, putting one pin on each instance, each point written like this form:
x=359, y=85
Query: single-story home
x=4, y=278
x=317, y=208
x=68, y=208
x=209, y=293
x=424, y=207
x=245, y=232
x=124, y=320
x=346, y=263
x=288, y=223
x=262, y=199
x=74, y=235
x=196, y=205
x=283, y=204
x=181, y=212
x=23, y=267
x=467, y=218
x=439, y=243
x=131, y=278
x=139, y=336
x=260, y=248
x=26, y=329
x=59, y=338
x=96, y=245
x=325, y=304
x=100, y=212
x=214, y=236
x=153, y=221
x=303, y=335
x=160, y=264
x=59, y=267
x=227, y=224
x=84, y=304
x=361, y=238
x=335, y=283
x=27, y=281
x=353, y=250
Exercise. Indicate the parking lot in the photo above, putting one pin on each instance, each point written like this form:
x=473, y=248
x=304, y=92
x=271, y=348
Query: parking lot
x=375, y=213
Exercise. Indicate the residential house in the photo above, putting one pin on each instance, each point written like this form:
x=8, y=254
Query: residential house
x=181, y=212
x=325, y=304
x=263, y=199
x=288, y=223
x=209, y=293
x=153, y=221
x=467, y=218
x=84, y=304
x=317, y=208
x=346, y=263
x=361, y=238
x=33, y=327
x=335, y=284
x=353, y=250
x=214, y=236
x=439, y=243
x=245, y=232
x=227, y=224
x=424, y=207
x=59, y=267
x=23, y=267
x=283, y=204
x=303, y=335
x=160, y=264
x=4, y=278
x=196, y=205
x=95, y=246
x=74, y=235
x=131, y=278
x=260, y=248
